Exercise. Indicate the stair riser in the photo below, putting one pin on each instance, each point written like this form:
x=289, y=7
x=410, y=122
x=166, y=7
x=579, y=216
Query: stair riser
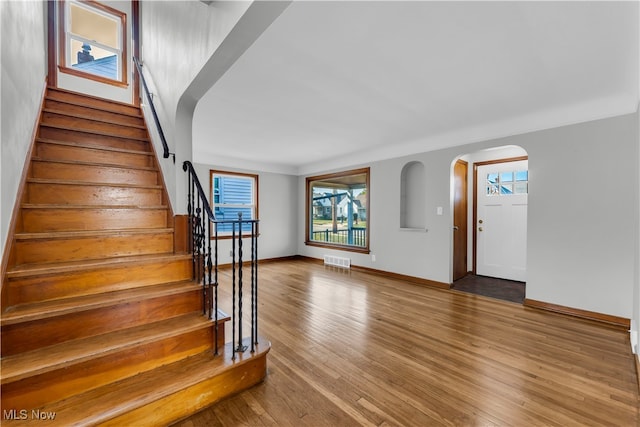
x=48, y=151
x=77, y=249
x=192, y=399
x=28, y=336
x=91, y=138
x=42, y=220
x=81, y=110
x=63, y=285
x=65, y=194
x=36, y=391
x=73, y=122
x=98, y=103
x=95, y=174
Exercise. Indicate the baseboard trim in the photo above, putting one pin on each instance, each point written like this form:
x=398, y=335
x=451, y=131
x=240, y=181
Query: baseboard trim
x=411, y=279
x=260, y=261
x=404, y=277
x=619, y=322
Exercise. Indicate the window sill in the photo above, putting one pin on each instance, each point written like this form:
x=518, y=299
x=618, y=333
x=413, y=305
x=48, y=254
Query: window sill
x=420, y=230
x=338, y=247
x=89, y=76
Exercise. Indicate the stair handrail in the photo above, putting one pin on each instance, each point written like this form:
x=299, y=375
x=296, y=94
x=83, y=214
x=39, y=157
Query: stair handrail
x=203, y=227
x=165, y=146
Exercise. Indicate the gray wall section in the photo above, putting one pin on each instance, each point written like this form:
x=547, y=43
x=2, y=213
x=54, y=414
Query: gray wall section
x=24, y=66
x=278, y=212
x=581, y=217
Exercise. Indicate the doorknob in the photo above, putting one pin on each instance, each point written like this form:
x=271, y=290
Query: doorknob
x=455, y=228
x=480, y=221
x=479, y=228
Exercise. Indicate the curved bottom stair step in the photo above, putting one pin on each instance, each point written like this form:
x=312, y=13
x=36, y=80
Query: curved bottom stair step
x=160, y=396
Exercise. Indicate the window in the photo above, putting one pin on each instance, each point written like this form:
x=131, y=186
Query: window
x=507, y=183
x=92, y=41
x=337, y=210
x=233, y=193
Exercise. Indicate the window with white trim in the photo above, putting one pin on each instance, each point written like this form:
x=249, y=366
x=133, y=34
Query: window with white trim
x=233, y=193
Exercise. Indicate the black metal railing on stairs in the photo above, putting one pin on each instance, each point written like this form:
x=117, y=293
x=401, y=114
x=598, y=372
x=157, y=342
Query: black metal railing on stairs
x=204, y=240
x=154, y=113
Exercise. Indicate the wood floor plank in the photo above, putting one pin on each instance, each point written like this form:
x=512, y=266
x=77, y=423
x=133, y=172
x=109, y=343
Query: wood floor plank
x=353, y=348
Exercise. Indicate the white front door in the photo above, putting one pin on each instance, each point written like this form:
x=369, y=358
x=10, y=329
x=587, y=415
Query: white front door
x=501, y=228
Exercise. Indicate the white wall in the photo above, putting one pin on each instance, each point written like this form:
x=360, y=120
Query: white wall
x=23, y=53
x=186, y=47
x=177, y=39
x=581, y=218
x=278, y=211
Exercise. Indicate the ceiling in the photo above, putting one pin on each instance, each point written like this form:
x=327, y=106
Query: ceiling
x=336, y=84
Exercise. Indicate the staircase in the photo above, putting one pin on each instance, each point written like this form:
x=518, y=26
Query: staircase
x=101, y=318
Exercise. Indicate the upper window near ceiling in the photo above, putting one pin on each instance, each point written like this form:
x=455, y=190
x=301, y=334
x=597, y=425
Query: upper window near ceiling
x=337, y=210
x=92, y=42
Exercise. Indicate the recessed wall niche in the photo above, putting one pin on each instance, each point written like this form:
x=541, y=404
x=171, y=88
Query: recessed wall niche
x=413, y=196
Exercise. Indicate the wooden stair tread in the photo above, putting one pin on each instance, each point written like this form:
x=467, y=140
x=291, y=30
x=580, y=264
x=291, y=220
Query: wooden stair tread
x=92, y=107
x=26, y=270
x=44, y=309
x=94, y=132
x=94, y=119
x=92, y=146
x=107, y=207
x=107, y=402
x=90, y=233
x=91, y=184
x=90, y=164
x=46, y=359
x=51, y=90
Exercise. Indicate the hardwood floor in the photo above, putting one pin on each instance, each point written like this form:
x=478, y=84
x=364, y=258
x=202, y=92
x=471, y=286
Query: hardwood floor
x=353, y=348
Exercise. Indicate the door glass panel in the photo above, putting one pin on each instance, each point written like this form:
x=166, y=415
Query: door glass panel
x=506, y=177
x=521, y=187
x=492, y=178
x=506, y=189
x=522, y=175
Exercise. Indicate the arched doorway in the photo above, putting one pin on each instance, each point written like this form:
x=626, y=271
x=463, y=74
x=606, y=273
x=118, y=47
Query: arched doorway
x=489, y=197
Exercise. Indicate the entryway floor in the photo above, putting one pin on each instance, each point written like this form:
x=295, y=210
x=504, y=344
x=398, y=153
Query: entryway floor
x=507, y=290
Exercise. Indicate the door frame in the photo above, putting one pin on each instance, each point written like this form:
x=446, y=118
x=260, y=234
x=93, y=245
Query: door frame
x=475, y=199
x=463, y=231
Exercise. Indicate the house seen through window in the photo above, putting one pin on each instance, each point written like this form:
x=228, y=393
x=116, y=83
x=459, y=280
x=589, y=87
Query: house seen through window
x=233, y=193
x=337, y=213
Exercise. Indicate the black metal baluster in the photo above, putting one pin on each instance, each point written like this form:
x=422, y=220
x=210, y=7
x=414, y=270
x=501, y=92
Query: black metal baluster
x=215, y=290
x=253, y=290
x=255, y=237
x=210, y=283
x=240, y=347
x=233, y=289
